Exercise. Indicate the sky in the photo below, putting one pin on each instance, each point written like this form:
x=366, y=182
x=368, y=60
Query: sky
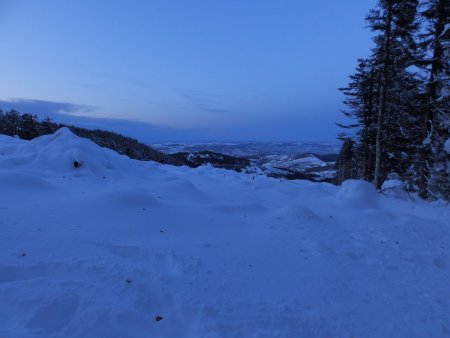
x=184, y=70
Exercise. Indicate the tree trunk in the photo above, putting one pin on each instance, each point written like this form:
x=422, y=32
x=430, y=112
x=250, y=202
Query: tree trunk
x=382, y=100
x=432, y=95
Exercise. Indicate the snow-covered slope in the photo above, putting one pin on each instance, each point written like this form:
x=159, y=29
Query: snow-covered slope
x=253, y=149
x=113, y=247
x=297, y=163
x=306, y=164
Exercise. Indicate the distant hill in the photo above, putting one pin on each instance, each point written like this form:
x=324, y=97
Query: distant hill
x=196, y=159
x=313, y=161
x=254, y=149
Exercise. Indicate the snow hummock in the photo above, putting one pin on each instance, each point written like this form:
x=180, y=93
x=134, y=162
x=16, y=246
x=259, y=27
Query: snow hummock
x=122, y=248
x=357, y=194
x=392, y=183
x=57, y=154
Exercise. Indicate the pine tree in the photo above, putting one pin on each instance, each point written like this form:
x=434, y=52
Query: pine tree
x=395, y=22
x=28, y=126
x=47, y=126
x=11, y=123
x=433, y=160
x=382, y=91
x=361, y=94
x=345, y=164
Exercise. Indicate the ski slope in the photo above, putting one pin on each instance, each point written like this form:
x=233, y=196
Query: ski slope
x=122, y=248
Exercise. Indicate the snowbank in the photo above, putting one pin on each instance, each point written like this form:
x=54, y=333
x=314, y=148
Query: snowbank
x=390, y=184
x=357, y=194
x=61, y=153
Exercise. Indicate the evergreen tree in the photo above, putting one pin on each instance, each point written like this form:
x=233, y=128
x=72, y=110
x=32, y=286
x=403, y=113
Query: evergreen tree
x=345, y=164
x=383, y=94
x=361, y=94
x=28, y=126
x=10, y=124
x=395, y=24
x=433, y=167
x=47, y=126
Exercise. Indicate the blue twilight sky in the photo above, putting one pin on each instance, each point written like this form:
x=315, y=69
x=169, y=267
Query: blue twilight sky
x=190, y=70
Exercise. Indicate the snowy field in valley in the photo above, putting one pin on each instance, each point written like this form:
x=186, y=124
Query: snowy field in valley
x=122, y=248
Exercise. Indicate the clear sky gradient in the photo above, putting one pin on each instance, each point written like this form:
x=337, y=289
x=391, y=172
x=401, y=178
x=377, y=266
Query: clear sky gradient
x=191, y=70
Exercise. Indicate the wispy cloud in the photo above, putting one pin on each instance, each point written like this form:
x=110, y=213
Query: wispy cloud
x=42, y=107
x=204, y=101
x=74, y=114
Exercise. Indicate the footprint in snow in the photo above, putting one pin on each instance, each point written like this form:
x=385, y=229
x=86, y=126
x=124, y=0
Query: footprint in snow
x=55, y=315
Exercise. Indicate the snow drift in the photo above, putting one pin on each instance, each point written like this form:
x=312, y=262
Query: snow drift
x=357, y=194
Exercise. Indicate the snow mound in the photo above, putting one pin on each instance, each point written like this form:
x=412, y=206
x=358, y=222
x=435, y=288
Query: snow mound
x=391, y=184
x=63, y=153
x=357, y=194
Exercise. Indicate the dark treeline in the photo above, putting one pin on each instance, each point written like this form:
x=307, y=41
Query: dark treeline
x=398, y=100
x=27, y=126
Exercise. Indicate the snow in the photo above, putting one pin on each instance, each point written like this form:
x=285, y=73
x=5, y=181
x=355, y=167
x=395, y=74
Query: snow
x=357, y=194
x=392, y=183
x=102, y=250
x=253, y=149
x=446, y=29
x=293, y=163
x=306, y=164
